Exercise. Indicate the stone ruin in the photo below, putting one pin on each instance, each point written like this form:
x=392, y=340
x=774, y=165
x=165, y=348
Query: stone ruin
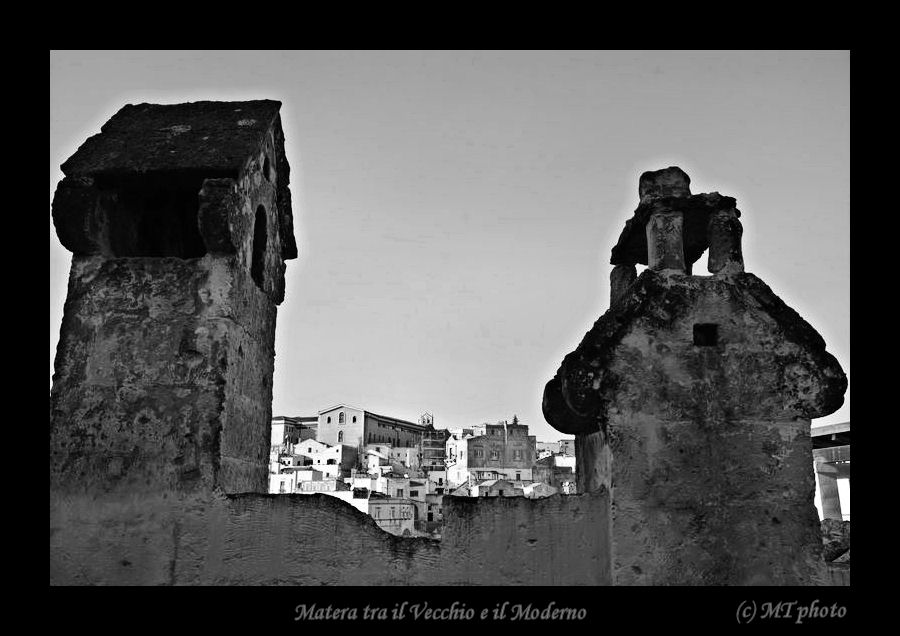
x=690, y=399
x=179, y=221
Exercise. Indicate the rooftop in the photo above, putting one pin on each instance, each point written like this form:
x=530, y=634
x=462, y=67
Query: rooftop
x=216, y=138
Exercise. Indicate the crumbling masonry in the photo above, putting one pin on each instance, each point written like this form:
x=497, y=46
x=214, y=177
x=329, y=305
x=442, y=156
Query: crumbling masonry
x=179, y=221
x=691, y=400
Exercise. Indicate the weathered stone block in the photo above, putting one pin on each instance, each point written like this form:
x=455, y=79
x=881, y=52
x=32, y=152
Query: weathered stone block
x=668, y=182
x=665, y=251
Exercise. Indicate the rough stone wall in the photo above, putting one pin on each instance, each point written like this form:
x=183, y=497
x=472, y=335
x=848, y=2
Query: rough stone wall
x=251, y=539
x=707, y=448
x=159, y=380
x=147, y=348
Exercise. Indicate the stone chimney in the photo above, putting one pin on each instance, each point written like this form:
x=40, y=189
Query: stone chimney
x=691, y=399
x=179, y=221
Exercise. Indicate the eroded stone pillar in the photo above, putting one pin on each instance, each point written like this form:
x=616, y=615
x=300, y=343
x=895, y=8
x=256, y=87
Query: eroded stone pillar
x=665, y=250
x=725, y=231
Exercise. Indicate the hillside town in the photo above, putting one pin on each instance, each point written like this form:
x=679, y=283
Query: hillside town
x=398, y=472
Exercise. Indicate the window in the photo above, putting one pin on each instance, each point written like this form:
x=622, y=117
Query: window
x=399, y=492
x=329, y=419
x=495, y=454
x=413, y=493
x=281, y=487
x=706, y=335
x=340, y=436
x=354, y=419
x=501, y=492
x=518, y=476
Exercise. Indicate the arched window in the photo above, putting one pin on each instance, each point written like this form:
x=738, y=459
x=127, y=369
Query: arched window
x=329, y=419
x=341, y=417
x=340, y=436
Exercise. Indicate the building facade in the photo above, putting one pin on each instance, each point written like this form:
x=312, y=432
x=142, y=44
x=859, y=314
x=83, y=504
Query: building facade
x=557, y=471
x=292, y=430
x=334, y=461
x=456, y=457
x=394, y=514
x=343, y=424
x=434, y=446
x=500, y=488
x=504, y=448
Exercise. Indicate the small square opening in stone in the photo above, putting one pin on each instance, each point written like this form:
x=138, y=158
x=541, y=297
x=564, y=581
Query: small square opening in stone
x=706, y=335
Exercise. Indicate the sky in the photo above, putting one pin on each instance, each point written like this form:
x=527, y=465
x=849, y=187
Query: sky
x=455, y=210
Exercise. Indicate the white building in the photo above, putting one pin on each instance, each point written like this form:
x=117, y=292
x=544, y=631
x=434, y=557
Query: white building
x=406, y=455
x=564, y=461
x=287, y=431
x=282, y=483
x=456, y=457
x=333, y=461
